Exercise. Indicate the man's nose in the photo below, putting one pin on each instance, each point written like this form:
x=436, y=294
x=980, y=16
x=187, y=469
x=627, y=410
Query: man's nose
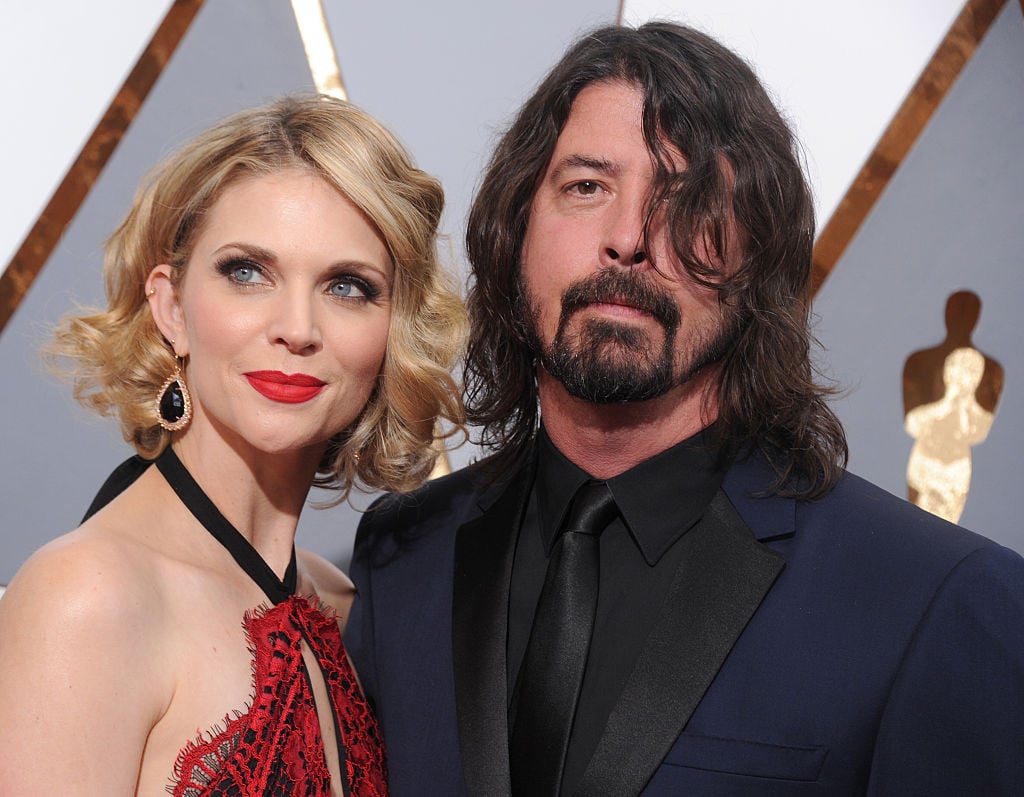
x=624, y=240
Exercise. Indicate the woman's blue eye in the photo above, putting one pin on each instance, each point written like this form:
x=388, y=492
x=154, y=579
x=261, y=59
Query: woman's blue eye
x=244, y=273
x=346, y=289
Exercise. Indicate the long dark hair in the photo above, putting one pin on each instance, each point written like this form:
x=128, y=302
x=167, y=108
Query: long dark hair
x=741, y=161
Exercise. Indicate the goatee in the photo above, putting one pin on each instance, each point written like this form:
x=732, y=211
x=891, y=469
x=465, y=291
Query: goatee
x=604, y=361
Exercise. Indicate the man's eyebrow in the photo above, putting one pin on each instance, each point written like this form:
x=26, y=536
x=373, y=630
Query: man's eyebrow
x=584, y=162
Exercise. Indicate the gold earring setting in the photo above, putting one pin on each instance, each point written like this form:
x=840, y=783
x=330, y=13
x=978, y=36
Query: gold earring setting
x=173, y=402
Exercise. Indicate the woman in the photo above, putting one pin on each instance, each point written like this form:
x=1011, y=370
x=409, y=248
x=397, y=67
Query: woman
x=277, y=318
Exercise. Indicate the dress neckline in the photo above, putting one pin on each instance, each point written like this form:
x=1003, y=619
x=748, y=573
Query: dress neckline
x=241, y=550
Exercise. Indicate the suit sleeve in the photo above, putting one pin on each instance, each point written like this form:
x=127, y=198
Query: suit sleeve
x=954, y=721
x=359, y=637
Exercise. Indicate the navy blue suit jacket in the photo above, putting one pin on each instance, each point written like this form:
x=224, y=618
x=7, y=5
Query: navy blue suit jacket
x=851, y=645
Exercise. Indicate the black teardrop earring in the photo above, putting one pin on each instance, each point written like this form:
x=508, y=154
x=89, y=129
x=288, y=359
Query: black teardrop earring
x=173, y=403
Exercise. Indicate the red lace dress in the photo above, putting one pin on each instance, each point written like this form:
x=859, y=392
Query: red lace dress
x=276, y=749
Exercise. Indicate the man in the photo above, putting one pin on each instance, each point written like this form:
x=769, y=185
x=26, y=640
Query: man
x=733, y=614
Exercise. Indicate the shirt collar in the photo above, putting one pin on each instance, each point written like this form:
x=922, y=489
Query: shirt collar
x=659, y=499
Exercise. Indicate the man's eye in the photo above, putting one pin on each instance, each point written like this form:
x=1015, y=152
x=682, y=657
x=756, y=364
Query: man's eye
x=586, y=188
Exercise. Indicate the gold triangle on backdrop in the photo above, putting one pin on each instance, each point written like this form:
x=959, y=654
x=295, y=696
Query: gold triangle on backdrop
x=942, y=70
x=42, y=238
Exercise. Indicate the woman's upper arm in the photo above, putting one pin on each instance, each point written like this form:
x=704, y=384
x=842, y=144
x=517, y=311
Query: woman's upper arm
x=77, y=699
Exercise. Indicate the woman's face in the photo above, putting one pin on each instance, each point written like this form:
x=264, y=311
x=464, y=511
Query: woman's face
x=283, y=313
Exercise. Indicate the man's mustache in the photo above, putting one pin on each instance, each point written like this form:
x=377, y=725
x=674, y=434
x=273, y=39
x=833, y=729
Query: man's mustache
x=613, y=286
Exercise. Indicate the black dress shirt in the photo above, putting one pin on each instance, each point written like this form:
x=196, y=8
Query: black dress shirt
x=659, y=500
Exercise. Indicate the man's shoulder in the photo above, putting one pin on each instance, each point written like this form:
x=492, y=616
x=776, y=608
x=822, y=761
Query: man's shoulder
x=877, y=508
x=434, y=510
x=856, y=517
x=449, y=493
x=867, y=515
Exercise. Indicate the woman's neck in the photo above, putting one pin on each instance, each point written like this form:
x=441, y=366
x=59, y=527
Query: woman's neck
x=261, y=494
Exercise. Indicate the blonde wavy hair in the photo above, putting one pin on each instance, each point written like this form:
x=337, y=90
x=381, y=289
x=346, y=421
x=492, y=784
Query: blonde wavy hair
x=117, y=360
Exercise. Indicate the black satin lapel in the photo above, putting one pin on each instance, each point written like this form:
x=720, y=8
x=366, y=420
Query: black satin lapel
x=484, y=550
x=723, y=578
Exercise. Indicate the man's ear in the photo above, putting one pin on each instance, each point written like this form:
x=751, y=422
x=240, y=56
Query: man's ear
x=167, y=313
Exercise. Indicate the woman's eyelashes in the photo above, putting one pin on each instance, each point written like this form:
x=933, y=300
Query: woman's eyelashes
x=242, y=270
x=344, y=285
x=350, y=286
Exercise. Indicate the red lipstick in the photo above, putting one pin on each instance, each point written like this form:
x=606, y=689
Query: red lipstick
x=285, y=388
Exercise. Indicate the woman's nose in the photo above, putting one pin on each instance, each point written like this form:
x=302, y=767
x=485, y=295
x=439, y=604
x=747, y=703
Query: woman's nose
x=295, y=325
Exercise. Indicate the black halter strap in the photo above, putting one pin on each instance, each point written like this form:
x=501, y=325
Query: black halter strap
x=199, y=504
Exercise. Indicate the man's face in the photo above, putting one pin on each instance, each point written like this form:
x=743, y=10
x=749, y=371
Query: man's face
x=604, y=322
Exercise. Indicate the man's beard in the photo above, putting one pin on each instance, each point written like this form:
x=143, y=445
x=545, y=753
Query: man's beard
x=605, y=361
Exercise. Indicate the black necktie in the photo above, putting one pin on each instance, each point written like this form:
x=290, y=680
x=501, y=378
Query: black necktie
x=552, y=670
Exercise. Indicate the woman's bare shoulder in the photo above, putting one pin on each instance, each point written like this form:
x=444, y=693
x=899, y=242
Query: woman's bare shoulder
x=327, y=581
x=92, y=590
x=79, y=573
x=79, y=648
